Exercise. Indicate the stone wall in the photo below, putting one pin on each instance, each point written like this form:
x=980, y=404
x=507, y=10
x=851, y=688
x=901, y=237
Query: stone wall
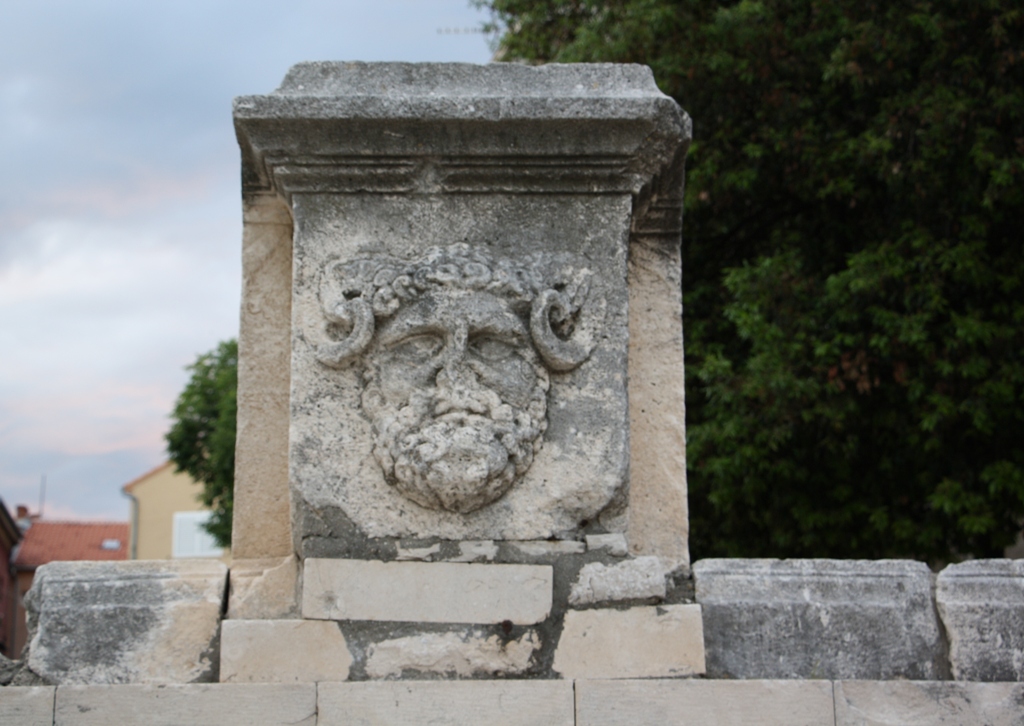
x=157, y=623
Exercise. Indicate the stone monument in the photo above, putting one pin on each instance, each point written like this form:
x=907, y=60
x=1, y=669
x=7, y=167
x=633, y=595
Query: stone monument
x=461, y=360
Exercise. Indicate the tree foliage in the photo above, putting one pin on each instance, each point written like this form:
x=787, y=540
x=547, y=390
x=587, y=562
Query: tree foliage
x=201, y=441
x=853, y=266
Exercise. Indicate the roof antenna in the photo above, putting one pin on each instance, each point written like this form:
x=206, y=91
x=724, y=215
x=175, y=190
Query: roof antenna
x=42, y=495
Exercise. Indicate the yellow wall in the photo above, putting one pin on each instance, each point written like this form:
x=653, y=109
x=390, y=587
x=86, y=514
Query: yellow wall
x=160, y=494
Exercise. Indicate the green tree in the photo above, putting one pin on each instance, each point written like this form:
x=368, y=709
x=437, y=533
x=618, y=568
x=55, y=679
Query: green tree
x=853, y=266
x=201, y=441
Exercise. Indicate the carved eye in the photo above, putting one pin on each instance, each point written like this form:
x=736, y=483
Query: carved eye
x=491, y=349
x=418, y=348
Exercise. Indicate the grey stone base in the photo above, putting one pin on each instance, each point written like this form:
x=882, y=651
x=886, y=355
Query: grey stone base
x=862, y=619
x=647, y=702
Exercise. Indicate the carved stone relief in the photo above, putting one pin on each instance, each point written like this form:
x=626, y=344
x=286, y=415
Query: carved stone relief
x=456, y=346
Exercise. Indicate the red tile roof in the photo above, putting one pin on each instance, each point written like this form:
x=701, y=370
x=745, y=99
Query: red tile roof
x=49, y=541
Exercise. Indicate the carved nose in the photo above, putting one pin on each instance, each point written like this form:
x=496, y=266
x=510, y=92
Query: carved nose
x=455, y=346
x=457, y=383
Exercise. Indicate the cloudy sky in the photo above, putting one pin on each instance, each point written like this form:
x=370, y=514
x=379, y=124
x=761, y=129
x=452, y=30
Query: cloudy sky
x=119, y=209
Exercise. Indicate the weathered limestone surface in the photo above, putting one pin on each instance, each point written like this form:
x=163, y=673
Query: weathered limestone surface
x=819, y=619
x=981, y=603
x=641, y=642
x=452, y=703
x=8, y=669
x=261, y=526
x=458, y=654
x=935, y=703
x=264, y=588
x=476, y=551
x=459, y=298
x=543, y=548
x=658, y=514
x=702, y=703
x=614, y=543
x=282, y=651
x=216, y=704
x=126, y=622
x=429, y=592
x=642, y=577
x=425, y=554
x=26, y=705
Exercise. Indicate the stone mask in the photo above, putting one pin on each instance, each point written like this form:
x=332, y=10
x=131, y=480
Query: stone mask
x=456, y=348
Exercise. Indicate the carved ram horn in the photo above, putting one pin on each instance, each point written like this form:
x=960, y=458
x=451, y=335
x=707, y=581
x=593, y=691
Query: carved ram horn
x=356, y=313
x=345, y=300
x=559, y=354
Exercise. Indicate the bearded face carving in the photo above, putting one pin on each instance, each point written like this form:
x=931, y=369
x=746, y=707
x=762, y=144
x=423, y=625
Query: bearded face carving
x=456, y=349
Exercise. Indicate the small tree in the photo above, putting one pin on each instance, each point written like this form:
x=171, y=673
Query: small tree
x=201, y=441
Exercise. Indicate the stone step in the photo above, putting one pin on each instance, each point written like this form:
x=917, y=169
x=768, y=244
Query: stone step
x=584, y=702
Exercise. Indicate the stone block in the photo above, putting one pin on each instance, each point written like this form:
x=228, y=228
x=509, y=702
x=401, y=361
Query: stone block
x=642, y=577
x=642, y=642
x=476, y=551
x=261, y=526
x=428, y=592
x=614, y=543
x=928, y=703
x=26, y=705
x=425, y=554
x=549, y=548
x=264, y=589
x=126, y=622
x=658, y=510
x=819, y=619
x=451, y=654
x=452, y=703
x=981, y=603
x=282, y=651
x=516, y=189
x=696, y=702
x=216, y=704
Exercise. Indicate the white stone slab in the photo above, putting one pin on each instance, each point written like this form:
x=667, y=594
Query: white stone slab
x=981, y=603
x=26, y=705
x=614, y=543
x=928, y=703
x=684, y=702
x=451, y=703
x=215, y=704
x=282, y=651
x=546, y=548
x=642, y=577
x=429, y=592
x=425, y=554
x=644, y=642
x=458, y=654
x=264, y=589
x=476, y=551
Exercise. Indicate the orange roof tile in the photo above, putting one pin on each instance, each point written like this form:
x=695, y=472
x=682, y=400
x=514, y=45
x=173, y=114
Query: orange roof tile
x=49, y=541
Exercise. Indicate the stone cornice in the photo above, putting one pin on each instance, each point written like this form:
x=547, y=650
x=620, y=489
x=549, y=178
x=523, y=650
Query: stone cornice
x=458, y=128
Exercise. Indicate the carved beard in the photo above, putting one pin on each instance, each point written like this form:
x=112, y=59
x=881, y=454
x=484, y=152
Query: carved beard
x=457, y=446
